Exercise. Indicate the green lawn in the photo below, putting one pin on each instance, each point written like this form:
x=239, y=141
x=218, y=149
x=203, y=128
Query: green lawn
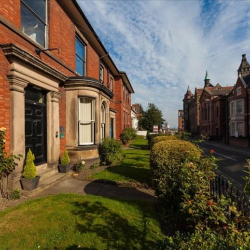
x=67, y=221
x=134, y=167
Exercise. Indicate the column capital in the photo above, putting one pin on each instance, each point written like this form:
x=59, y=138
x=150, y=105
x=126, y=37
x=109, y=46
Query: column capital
x=17, y=84
x=55, y=96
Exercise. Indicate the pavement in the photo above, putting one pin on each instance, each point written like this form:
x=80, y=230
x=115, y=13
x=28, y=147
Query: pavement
x=83, y=187
x=241, y=150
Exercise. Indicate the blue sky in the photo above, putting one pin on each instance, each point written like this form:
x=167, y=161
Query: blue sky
x=165, y=46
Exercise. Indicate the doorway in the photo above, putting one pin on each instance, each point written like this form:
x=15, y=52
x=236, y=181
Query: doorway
x=35, y=124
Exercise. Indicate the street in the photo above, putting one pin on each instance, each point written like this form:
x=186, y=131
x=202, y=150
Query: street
x=231, y=160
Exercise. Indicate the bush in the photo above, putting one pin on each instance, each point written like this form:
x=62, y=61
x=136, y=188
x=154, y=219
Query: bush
x=79, y=166
x=110, y=151
x=173, y=152
x=150, y=138
x=127, y=135
x=209, y=239
x=162, y=138
x=29, y=171
x=65, y=158
x=169, y=162
x=15, y=194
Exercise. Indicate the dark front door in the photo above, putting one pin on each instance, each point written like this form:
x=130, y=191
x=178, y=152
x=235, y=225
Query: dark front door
x=35, y=124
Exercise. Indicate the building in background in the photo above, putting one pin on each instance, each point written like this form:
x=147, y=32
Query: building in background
x=180, y=120
x=239, y=106
x=186, y=109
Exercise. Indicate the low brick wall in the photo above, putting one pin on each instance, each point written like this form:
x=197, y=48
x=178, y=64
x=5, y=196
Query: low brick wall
x=239, y=142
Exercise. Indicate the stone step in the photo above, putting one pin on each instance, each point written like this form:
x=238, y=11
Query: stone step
x=46, y=183
x=46, y=172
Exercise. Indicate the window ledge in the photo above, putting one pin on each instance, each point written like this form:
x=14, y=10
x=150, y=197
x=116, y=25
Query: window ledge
x=78, y=82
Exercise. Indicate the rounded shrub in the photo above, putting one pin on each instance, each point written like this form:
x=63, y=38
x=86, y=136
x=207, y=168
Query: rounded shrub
x=169, y=164
x=150, y=138
x=65, y=158
x=110, y=151
x=29, y=171
x=162, y=138
x=172, y=152
x=128, y=135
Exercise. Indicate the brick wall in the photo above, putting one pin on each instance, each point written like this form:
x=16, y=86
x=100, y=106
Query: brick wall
x=4, y=99
x=11, y=10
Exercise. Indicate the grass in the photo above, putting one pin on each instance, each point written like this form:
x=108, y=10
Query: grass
x=69, y=221
x=134, y=167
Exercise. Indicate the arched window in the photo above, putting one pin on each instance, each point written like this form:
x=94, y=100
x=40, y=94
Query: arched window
x=103, y=121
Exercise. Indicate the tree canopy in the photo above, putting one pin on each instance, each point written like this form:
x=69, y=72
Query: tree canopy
x=152, y=116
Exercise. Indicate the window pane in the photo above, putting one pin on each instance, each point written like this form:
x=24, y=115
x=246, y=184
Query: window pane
x=38, y=6
x=32, y=26
x=86, y=121
x=80, y=49
x=85, y=112
x=79, y=66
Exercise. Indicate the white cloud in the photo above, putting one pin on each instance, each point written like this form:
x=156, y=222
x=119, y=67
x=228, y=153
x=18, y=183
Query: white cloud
x=164, y=46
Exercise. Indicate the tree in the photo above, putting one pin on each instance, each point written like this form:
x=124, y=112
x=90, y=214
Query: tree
x=152, y=116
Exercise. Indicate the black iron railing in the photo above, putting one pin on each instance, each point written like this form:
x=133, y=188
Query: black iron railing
x=223, y=185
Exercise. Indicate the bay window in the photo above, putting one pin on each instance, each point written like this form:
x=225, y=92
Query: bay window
x=34, y=20
x=86, y=120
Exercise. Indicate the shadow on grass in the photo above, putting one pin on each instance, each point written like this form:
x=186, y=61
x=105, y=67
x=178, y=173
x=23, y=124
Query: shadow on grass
x=136, y=173
x=73, y=247
x=109, y=189
x=139, y=146
x=113, y=230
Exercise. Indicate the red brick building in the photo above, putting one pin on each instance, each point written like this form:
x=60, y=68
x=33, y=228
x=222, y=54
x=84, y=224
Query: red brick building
x=59, y=88
x=239, y=106
x=213, y=110
x=180, y=120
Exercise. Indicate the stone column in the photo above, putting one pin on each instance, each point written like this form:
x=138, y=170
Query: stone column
x=53, y=133
x=17, y=121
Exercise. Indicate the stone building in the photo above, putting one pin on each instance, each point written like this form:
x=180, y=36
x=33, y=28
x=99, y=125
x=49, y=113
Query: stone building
x=59, y=87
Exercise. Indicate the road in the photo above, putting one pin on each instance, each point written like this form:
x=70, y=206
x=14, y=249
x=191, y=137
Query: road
x=231, y=160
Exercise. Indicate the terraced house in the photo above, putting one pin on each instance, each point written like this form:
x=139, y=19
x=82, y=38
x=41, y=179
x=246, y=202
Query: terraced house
x=59, y=87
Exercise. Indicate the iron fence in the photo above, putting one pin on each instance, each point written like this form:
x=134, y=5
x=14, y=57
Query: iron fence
x=223, y=185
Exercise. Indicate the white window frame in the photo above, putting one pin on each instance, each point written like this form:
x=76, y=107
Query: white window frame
x=92, y=122
x=44, y=22
x=232, y=108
